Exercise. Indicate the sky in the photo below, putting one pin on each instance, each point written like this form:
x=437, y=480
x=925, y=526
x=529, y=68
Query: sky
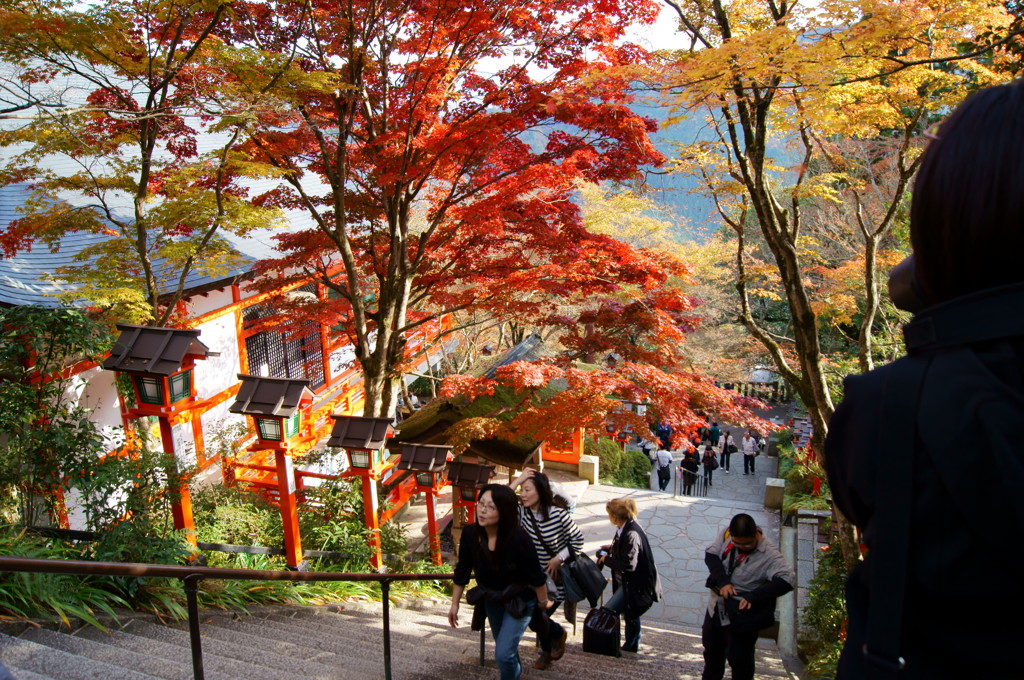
x=660, y=36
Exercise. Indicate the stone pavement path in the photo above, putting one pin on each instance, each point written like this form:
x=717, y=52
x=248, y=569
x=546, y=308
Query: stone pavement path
x=679, y=529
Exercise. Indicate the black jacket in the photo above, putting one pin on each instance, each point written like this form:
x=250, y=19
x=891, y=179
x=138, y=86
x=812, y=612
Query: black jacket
x=633, y=565
x=963, y=592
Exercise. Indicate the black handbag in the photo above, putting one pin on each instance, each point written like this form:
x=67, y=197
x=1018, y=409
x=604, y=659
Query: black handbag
x=582, y=579
x=757, y=617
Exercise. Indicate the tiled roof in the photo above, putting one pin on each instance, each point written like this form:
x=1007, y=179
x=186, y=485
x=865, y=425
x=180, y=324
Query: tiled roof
x=30, y=276
x=260, y=396
x=159, y=351
x=359, y=432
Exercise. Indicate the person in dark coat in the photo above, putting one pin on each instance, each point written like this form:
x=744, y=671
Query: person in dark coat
x=500, y=554
x=936, y=533
x=691, y=468
x=714, y=434
x=709, y=463
x=635, y=583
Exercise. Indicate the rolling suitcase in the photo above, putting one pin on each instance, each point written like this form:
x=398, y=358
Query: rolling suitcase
x=601, y=632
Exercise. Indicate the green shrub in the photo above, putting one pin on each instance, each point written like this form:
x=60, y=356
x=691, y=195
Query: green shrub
x=608, y=452
x=55, y=597
x=235, y=516
x=799, y=471
x=824, y=616
x=634, y=471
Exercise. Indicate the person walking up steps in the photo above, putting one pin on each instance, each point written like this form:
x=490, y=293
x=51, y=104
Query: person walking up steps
x=663, y=460
x=750, y=451
x=510, y=583
x=747, y=575
x=556, y=538
x=635, y=582
x=690, y=467
x=728, y=448
x=709, y=463
x=714, y=434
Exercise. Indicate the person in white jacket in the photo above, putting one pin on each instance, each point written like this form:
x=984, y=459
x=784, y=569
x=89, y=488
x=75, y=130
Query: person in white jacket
x=750, y=451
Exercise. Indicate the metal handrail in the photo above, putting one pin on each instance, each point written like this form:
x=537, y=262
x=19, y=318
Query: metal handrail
x=191, y=576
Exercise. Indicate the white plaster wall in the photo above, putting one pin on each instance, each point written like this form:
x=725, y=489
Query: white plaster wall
x=215, y=374
x=95, y=390
x=212, y=301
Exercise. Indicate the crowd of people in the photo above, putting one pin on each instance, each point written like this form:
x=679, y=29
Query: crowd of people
x=517, y=547
x=710, y=450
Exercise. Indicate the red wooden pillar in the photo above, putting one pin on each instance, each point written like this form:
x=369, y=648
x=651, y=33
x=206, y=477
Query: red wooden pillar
x=435, y=538
x=181, y=500
x=289, y=511
x=372, y=518
x=577, y=443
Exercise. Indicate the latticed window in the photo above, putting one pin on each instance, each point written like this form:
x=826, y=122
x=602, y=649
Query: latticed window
x=181, y=385
x=281, y=355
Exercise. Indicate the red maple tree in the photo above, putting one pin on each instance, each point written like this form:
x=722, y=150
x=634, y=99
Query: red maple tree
x=432, y=150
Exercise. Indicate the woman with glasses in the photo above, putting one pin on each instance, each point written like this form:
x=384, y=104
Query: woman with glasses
x=555, y=538
x=510, y=582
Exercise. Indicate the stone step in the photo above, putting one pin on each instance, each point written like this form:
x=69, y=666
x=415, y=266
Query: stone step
x=54, y=663
x=111, y=654
x=214, y=665
x=22, y=674
x=343, y=641
x=255, y=655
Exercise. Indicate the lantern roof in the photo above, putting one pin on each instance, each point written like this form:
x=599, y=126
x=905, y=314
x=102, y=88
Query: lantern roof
x=262, y=396
x=360, y=432
x=469, y=475
x=158, y=351
x=423, y=457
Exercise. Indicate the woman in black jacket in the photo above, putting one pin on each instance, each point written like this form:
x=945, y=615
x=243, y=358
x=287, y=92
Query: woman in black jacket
x=510, y=582
x=635, y=583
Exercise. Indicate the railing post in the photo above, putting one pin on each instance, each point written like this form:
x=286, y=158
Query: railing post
x=385, y=588
x=191, y=584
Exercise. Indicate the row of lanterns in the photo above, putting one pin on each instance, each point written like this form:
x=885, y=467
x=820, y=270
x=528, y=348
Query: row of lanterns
x=160, y=362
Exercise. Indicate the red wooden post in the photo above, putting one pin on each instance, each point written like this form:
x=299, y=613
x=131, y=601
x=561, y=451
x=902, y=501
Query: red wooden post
x=435, y=539
x=181, y=500
x=289, y=513
x=370, y=506
x=577, y=443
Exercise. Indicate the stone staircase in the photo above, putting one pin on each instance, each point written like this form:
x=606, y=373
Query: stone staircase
x=342, y=641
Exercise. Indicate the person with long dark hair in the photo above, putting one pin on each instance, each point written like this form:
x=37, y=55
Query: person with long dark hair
x=935, y=596
x=635, y=583
x=510, y=582
x=555, y=538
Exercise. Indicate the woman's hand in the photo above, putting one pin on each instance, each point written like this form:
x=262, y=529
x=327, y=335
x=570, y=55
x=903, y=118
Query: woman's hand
x=727, y=591
x=523, y=476
x=554, y=566
x=453, y=615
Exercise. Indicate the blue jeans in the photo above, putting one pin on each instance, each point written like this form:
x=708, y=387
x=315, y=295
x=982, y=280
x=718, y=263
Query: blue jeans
x=617, y=603
x=507, y=631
